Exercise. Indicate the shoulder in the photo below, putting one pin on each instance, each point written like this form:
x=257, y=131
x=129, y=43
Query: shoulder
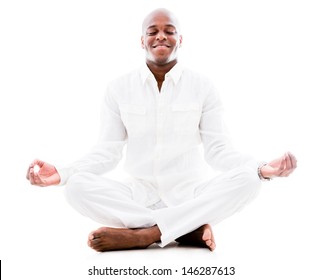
x=199, y=81
x=121, y=85
x=124, y=79
x=196, y=76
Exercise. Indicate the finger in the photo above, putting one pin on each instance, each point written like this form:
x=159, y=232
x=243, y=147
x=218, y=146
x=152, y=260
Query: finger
x=282, y=165
x=286, y=173
x=37, y=180
x=287, y=170
x=293, y=160
x=280, y=170
x=38, y=162
x=28, y=173
x=31, y=176
x=288, y=162
x=31, y=166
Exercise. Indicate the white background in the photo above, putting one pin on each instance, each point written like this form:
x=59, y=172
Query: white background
x=56, y=60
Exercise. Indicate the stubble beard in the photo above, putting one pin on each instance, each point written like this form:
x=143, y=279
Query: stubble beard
x=161, y=60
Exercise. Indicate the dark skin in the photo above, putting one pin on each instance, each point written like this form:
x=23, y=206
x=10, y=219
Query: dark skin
x=111, y=239
x=161, y=40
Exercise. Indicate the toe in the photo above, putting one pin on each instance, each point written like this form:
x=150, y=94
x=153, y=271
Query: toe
x=207, y=235
x=91, y=236
x=213, y=246
x=89, y=243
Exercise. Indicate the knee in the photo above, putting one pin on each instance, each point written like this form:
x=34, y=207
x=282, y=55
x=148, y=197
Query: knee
x=251, y=183
x=76, y=186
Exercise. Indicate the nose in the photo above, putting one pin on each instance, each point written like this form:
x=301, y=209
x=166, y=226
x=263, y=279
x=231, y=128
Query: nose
x=161, y=36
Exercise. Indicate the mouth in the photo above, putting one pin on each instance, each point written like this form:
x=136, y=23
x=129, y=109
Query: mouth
x=161, y=46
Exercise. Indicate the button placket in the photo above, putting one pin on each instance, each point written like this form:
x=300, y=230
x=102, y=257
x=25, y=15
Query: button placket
x=160, y=114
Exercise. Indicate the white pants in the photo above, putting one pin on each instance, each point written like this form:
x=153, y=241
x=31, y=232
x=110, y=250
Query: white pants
x=113, y=203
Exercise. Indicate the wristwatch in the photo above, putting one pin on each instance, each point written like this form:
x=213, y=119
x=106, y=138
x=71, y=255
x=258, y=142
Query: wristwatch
x=262, y=178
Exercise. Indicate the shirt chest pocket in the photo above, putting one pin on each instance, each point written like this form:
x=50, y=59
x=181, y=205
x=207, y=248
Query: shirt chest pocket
x=134, y=119
x=186, y=118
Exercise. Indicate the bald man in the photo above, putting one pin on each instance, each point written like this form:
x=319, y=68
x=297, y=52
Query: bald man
x=162, y=113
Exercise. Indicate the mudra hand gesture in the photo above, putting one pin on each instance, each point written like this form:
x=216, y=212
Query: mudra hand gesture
x=46, y=175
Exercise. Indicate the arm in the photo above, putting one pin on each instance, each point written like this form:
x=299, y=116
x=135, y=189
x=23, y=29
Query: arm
x=104, y=156
x=219, y=152
x=107, y=152
x=218, y=149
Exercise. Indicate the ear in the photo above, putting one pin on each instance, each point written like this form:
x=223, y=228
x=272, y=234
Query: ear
x=180, y=40
x=142, y=42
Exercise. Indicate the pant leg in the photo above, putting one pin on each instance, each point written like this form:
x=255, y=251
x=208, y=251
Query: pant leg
x=106, y=201
x=214, y=201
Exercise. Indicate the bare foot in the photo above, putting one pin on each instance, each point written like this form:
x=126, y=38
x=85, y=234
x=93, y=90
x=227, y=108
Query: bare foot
x=201, y=237
x=110, y=239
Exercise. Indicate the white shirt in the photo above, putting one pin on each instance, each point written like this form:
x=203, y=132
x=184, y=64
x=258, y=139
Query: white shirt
x=163, y=131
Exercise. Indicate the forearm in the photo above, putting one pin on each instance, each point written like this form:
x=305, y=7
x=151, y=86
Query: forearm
x=103, y=158
x=224, y=158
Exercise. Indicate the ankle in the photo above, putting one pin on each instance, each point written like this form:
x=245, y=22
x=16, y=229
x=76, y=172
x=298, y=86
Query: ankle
x=148, y=235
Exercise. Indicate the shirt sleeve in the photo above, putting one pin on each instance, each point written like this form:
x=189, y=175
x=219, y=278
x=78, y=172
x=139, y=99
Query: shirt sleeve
x=107, y=152
x=218, y=150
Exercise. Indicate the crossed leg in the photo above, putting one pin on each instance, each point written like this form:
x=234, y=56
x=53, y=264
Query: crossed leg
x=201, y=237
x=110, y=239
x=214, y=201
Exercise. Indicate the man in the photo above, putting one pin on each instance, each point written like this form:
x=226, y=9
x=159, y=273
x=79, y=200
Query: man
x=163, y=112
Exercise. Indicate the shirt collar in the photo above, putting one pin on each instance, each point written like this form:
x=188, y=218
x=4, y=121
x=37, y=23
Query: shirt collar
x=175, y=73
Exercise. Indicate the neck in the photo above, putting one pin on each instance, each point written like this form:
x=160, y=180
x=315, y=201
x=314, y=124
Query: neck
x=159, y=71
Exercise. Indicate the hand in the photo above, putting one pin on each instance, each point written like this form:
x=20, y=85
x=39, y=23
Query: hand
x=280, y=167
x=47, y=174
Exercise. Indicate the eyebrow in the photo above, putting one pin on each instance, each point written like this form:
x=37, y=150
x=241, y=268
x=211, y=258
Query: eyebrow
x=155, y=26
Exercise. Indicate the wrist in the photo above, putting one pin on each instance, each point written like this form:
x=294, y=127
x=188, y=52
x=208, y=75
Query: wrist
x=260, y=172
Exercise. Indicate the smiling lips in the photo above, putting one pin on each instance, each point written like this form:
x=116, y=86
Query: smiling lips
x=161, y=46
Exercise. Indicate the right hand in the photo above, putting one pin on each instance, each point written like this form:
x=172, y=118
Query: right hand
x=47, y=174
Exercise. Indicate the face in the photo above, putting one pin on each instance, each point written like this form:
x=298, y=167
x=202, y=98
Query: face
x=161, y=38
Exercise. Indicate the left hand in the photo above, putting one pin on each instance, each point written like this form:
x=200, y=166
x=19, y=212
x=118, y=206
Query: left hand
x=280, y=167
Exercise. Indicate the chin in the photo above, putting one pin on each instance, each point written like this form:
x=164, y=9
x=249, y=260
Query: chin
x=163, y=60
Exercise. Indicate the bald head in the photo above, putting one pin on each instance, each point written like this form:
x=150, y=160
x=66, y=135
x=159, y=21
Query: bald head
x=159, y=13
x=161, y=39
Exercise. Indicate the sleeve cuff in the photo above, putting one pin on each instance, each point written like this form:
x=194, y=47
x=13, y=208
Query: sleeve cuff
x=64, y=174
